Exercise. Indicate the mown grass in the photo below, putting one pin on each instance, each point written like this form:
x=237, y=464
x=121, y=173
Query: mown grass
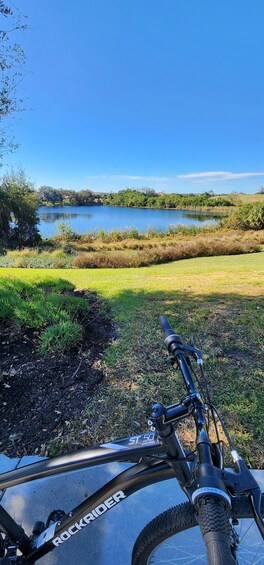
x=216, y=299
x=46, y=308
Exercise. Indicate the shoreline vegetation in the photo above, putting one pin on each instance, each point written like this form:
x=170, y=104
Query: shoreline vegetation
x=135, y=198
x=146, y=198
x=131, y=248
x=21, y=245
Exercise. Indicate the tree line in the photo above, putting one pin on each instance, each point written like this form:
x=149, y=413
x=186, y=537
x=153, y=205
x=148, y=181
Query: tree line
x=129, y=197
x=47, y=195
x=148, y=198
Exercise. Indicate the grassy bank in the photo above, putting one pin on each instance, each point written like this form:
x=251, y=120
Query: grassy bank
x=216, y=299
x=130, y=248
x=248, y=198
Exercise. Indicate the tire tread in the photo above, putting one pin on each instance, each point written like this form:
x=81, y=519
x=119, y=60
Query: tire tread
x=178, y=519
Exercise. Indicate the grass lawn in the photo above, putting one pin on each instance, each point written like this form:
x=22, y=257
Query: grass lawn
x=216, y=299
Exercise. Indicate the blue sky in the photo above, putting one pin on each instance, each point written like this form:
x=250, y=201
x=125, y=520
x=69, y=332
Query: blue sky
x=160, y=93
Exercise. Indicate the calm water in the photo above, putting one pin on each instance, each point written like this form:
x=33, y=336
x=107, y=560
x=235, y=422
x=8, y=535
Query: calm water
x=90, y=218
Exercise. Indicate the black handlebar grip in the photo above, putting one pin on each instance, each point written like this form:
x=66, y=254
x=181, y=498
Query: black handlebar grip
x=167, y=329
x=165, y=325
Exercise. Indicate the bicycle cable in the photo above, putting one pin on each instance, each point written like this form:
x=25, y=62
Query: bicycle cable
x=207, y=397
x=231, y=445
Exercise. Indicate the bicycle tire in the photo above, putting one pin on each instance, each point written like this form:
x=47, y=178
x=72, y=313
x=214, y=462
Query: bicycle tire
x=179, y=519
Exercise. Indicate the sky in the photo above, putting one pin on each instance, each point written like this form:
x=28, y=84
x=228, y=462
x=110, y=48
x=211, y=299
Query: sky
x=165, y=94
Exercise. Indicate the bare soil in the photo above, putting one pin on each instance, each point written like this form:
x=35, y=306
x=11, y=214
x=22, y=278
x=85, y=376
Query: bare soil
x=43, y=397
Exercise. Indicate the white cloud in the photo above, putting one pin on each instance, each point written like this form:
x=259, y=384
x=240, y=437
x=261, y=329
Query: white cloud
x=220, y=175
x=132, y=177
x=144, y=179
x=211, y=176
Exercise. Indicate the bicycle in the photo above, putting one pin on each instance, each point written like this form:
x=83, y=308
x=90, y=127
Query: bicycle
x=218, y=497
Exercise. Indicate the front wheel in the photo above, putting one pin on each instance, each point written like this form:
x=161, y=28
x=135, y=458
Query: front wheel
x=174, y=538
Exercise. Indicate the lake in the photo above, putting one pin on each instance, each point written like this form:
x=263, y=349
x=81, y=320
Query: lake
x=90, y=218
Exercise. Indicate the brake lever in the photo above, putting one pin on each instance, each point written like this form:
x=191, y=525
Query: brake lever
x=248, y=485
x=195, y=352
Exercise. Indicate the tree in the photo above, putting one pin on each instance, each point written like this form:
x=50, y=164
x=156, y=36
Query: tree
x=12, y=59
x=5, y=217
x=50, y=195
x=247, y=217
x=86, y=197
x=18, y=211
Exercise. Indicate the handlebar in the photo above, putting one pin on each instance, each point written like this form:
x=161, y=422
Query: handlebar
x=172, y=340
x=165, y=325
x=177, y=349
x=209, y=476
x=167, y=329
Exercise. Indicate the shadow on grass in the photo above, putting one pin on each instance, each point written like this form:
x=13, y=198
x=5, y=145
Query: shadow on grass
x=227, y=327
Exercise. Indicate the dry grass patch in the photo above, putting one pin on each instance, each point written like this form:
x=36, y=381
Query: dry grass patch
x=173, y=250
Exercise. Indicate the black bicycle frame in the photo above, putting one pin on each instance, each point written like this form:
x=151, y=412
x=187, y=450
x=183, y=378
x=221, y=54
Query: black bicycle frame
x=134, y=478
x=165, y=459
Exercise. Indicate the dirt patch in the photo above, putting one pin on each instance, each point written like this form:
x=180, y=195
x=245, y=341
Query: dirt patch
x=42, y=397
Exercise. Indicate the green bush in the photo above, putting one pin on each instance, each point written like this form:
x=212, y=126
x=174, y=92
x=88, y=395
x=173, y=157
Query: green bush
x=71, y=304
x=40, y=312
x=56, y=285
x=247, y=217
x=60, y=337
x=45, y=306
x=6, y=305
x=66, y=233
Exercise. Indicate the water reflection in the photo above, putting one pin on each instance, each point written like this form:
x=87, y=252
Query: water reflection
x=52, y=217
x=83, y=219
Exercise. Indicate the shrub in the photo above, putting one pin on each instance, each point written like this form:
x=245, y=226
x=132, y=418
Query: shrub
x=193, y=249
x=104, y=260
x=87, y=237
x=153, y=232
x=247, y=217
x=18, y=218
x=66, y=233
x=116, y=235
x=20, y=263
x=132, y=233
x=37, y=258
x=40, y=311
x=198, y=247
x=60, y=337
x=6, y=305
x=18, y=287
x=46, y=306
x=73, y=305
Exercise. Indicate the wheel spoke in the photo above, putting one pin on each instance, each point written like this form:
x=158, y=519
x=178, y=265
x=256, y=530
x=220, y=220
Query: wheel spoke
x=185, y=548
